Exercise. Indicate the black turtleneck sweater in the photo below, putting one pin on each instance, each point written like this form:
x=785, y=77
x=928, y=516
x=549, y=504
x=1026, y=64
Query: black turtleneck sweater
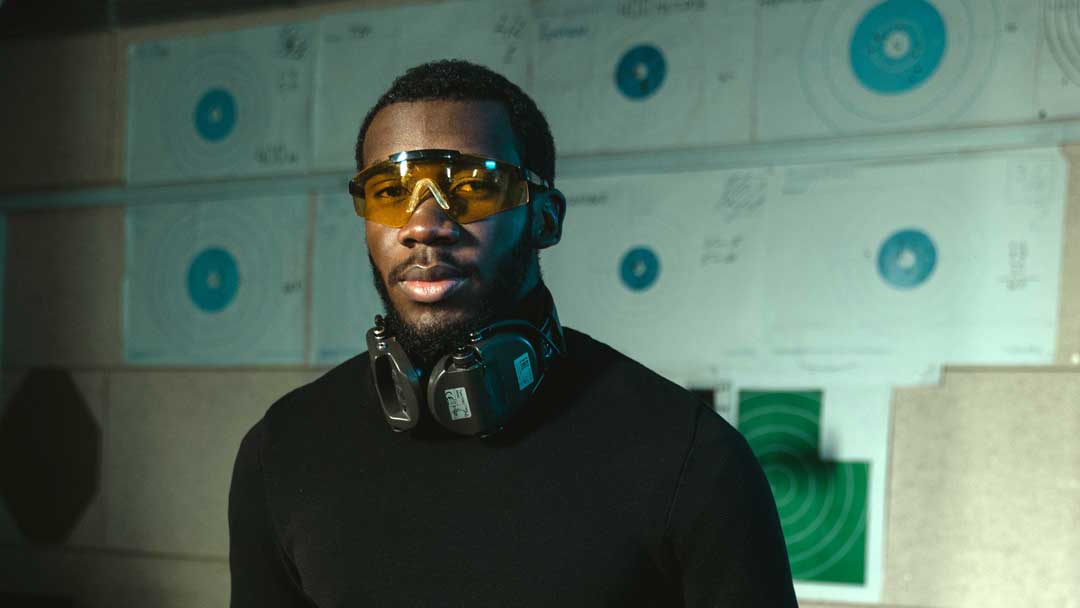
x=614, y=487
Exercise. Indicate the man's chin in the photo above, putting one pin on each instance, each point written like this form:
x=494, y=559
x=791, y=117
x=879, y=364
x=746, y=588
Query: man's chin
x=428, y=334
x=423, y=318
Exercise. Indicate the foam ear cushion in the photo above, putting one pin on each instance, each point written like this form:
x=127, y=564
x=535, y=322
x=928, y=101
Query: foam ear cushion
x=548, y=223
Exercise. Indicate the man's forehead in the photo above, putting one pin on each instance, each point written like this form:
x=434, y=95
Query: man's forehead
x=474, y=127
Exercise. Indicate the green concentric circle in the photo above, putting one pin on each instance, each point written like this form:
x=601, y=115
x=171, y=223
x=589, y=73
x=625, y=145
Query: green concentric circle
x=822, y=505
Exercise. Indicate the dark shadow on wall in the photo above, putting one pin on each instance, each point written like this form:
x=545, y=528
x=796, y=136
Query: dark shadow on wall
x=50, y=463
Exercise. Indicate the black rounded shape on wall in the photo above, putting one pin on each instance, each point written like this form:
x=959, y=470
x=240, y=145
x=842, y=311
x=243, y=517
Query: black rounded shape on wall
x=50, y=456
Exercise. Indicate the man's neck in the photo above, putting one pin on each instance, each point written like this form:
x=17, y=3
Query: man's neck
x=532, y=307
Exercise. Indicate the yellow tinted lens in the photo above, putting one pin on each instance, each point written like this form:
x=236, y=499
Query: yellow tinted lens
x=482, y=188
x=386, y=199
x=381, y=195
x=476, y=192
x=473, y=188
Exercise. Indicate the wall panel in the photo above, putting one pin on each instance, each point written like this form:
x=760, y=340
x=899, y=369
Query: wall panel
x=63, y=287
x=1069, y=309
x=172, y=441
x=100, y=579
x=62, y=111
x=984, y=491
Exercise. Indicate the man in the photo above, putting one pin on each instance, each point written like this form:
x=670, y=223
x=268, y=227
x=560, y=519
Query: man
x=606, y=485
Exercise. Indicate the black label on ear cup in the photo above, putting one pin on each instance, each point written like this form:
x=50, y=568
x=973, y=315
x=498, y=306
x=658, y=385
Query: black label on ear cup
x=460, y=399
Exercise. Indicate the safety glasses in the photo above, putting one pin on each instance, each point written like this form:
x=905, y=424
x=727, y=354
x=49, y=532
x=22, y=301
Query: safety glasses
x=468, y=188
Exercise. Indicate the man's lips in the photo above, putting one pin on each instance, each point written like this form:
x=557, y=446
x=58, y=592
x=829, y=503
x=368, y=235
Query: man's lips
x=431, y=291
x=436, y=272
x=431, y=284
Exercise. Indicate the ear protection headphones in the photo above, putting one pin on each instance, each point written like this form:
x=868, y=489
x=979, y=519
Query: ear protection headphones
x=475, y=389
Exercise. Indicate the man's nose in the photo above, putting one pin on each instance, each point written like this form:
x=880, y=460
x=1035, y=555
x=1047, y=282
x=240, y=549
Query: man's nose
x=429, y=224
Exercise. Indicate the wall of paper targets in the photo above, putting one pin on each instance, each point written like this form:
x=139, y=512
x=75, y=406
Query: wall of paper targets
x=227, y=104
x=842, y=268
x=801, y=293
x=612, y=76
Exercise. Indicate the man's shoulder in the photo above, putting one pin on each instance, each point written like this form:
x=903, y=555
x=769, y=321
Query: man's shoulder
x=633, y=391
x=616, y=370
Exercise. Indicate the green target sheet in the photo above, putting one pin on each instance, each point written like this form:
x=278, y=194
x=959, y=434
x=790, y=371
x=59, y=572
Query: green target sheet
x=822, y=503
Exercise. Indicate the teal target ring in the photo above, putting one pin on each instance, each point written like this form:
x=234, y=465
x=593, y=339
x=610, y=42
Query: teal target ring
x=639, y=268
x=907, y=258
x=1061, y=31
x=640, y=72
x=213, y=279
x=888, y=64
x=822, y=504
x=215, y=114
x=215, y=111
x=214, y=275
x=898, y=45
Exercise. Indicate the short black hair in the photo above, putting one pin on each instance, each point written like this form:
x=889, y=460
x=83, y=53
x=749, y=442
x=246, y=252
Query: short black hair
x=457, y=80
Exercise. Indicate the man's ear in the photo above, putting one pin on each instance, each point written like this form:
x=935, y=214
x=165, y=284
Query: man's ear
x=548, y=219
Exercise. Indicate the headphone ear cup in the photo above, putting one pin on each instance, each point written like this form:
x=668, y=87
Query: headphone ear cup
x=459, y=397
x=397, y=382
x=475, y=391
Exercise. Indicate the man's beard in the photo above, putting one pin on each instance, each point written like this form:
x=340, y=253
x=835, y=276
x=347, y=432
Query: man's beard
x=426, y=345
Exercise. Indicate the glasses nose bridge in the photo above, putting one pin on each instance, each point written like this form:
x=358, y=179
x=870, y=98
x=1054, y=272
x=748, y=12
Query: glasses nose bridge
x=418, y=196
x=429, y=225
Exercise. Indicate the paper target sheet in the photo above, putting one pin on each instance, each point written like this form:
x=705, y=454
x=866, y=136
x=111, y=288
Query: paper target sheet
x=616, y=76
x=851, y=66
x=1058, y=92
x=345, y=301
x=907, y=265
x=824, y=449
x=228, y=104
x=216, y=283
x=664, y=267
x=363, y=52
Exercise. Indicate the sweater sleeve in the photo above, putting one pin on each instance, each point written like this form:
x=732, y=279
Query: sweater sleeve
x=262, y=575
x=723, y=526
